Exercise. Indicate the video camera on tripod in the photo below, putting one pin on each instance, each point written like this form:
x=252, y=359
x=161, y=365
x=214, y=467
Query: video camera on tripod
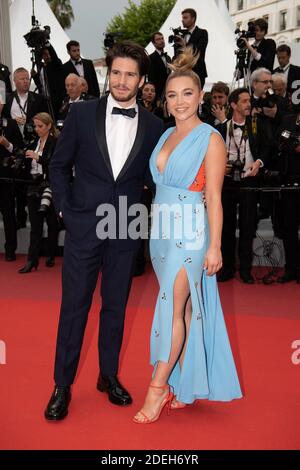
x=111, y=38
x=243, y=34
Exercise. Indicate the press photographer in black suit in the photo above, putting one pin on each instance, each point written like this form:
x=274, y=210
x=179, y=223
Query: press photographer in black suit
x=248, y=144
x=159, y=60
x=289, y=167
x=197, y=38
x=290, y=71
x=262, y=52
x=50, y=81
x=10, y=140
x=82, y=67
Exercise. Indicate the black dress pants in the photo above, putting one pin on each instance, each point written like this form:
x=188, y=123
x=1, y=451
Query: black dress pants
x=80, y=273
x=241, y=202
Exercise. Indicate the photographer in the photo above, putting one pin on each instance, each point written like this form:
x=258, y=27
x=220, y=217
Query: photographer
x=262, y=52
x=10, y=140
x=81, y=67
x=39, y=195
x=195, y=37
x=289, y=169
x=289, y=71
x=248, y=143
x=50, y=80
x=159, y=60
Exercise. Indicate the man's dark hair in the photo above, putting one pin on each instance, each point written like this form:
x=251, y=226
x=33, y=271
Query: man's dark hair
x=191, y=11
x=72, y=43
x=235, y=95
x=262, y=24
x=154, y=34
x=284, y=48
x=220, y=87
x=132, y=51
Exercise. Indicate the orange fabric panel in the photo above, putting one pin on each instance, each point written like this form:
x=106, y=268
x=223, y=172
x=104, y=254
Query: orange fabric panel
x=199, y=182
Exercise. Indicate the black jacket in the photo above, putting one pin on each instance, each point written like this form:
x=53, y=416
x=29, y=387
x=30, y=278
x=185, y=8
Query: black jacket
x=259, y=142
x=267, y=49
x=36, y=104
x=199, y=41
x=55, y=78
x=4, y=76
x=293, y=74
x=158, y=72
x=89, y=75
x=10, y=130
x=83, y=144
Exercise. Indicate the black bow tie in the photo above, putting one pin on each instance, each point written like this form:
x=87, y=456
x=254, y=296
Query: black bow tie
x=78, y=62
x=130, y=112
x=280, y=70
x=238, y=126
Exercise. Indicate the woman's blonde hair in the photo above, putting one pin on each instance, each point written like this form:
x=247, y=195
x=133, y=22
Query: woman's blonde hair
x=47, y=119
x=183, y=65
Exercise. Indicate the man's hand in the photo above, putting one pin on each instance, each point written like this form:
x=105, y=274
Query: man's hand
x=20, y=120
x=219, y=112
x=180, y=41
x=253, y=169
x=4, y=141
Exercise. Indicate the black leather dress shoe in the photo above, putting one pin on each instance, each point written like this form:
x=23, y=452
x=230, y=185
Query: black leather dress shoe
x=50, y=262
x=10, y=256
x=57, y=407
x=29, y=266
x=225, y=275
x=116, y=392
x=246, y=277
x=288, y=276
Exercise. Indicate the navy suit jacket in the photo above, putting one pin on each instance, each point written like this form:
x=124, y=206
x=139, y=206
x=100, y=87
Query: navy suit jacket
x=83, y=145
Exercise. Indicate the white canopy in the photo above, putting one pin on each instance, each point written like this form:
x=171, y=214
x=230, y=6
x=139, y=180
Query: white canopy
x=20, y=24
x=213, y=16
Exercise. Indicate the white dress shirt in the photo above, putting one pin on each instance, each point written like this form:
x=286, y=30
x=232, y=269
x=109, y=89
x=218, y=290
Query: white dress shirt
x=15, y=110
x=245, y=152
x=78, y=67
x=36, y=168
x=120, y=134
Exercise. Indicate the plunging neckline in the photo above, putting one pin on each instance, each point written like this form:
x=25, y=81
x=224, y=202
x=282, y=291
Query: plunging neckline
x=169, y=157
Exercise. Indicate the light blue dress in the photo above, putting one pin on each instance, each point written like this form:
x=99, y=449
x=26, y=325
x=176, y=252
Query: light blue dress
x=179, y=239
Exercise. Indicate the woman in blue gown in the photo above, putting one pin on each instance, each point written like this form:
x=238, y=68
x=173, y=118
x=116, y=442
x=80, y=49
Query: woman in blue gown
x=190, y=350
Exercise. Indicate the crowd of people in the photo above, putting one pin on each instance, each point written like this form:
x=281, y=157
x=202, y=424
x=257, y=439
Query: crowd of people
x=251, y=121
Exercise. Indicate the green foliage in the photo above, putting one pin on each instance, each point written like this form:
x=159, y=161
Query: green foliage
x=63, y=11
x=139, y=22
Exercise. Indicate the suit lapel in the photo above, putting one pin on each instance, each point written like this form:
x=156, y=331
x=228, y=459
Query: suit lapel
x=101, y=133
x=141, y=130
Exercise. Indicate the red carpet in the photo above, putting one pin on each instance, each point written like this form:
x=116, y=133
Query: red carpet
x=263, y=321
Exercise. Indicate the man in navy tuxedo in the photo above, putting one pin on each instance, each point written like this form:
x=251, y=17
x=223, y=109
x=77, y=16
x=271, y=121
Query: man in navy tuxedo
x=109, y=143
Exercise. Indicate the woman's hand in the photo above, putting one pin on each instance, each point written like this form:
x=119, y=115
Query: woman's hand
x=32, y=154
x=212, y=261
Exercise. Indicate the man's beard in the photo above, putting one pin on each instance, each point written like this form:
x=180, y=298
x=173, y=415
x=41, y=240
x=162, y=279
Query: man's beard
x=124, y=98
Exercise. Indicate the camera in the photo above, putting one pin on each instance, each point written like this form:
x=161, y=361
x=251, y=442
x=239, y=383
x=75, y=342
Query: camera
x=177, y=32
x=268, y=101
x=242, y=34
x=237, y=169
x=46, y=199
x=110, y=39
x=37, y=37
x=288, y=141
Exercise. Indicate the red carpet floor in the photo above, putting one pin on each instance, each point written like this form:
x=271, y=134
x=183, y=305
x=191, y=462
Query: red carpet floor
x=263, y=321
